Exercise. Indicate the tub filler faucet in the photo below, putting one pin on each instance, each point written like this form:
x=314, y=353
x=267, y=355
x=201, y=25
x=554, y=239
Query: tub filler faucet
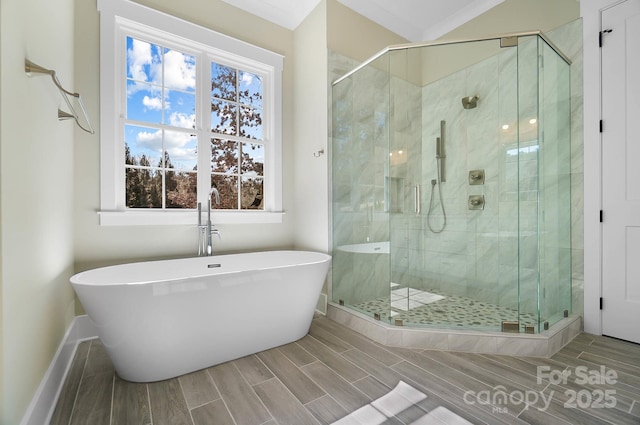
x=206, y=231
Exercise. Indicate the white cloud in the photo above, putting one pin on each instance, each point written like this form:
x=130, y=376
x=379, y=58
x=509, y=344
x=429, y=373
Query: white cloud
x=139, y=56
x=175, y=139
x=178, y=119
x=179, y=71
x=150, y=140
x=145, y=65
x=247, y=78
x=181, y=146
x=154, y=103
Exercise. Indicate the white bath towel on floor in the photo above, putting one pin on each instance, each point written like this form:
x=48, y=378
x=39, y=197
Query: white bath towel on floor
x=396, y=401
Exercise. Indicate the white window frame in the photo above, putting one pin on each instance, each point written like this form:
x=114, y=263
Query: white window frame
x=119, y=18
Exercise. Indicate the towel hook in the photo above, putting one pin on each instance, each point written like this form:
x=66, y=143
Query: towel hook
x=32, y=68
x=319, y=153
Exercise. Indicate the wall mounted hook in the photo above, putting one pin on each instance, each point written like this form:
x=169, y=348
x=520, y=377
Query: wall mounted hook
x=319, y=153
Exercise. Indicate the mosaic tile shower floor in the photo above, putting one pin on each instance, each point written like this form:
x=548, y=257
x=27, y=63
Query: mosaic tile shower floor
x=437, y=309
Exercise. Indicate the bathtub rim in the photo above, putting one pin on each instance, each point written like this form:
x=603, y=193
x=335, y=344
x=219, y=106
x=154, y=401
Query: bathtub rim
x=77, y=278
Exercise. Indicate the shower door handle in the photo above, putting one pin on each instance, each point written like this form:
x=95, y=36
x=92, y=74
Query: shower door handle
x=416, y=199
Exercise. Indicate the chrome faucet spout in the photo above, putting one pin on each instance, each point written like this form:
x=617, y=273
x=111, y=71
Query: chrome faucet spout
x=207, y=230
x=214, y=191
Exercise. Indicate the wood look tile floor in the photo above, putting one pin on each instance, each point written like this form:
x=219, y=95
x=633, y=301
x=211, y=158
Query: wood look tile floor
x=333, y=371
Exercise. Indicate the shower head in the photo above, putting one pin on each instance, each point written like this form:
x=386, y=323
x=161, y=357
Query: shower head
x=470, y=102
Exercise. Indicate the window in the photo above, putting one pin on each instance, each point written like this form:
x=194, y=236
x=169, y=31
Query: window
x=183, y=110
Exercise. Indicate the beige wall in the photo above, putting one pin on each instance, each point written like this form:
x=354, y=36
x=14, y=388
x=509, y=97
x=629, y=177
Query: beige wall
x=508, y=17
x=355, y=36
x=99, y=245
x=518, y=16
x=310, y=132
x=36, y=186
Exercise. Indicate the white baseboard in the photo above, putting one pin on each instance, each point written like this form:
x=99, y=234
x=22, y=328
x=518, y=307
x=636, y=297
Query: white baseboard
x=44, y=400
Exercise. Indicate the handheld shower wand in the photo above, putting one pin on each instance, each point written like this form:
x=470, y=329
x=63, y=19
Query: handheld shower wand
x=440, y=157
x=440, y=153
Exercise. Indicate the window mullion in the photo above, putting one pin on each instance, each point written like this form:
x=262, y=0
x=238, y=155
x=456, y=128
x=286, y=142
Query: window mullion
x=238, y=133
x=203, y=124
x=239, y=175
x=163, y=93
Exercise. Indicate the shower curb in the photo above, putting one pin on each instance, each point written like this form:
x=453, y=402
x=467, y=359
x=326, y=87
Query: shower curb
x=544, y=344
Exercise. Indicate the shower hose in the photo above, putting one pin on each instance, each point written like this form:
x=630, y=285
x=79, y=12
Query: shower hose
x=444, y=214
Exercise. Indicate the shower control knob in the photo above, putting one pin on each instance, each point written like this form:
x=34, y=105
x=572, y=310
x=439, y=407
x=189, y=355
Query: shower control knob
x=476, y=202
x=476, y=177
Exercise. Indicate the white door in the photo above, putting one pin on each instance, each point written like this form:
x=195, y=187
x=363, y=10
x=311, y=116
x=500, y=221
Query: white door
x=621, y=171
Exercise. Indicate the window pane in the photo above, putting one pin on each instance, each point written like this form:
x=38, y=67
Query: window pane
x=228, y=188
x=180, y=189
x=250, y=89
x=224, y=117
x=252, y=193
x=180, y=109
x=143, y=145
x=144, y=102
x=250, y=123
x=181, y=150
x=179, y=71
x=224, y=156
x=252, y=159
x=144, y=61
x=223, y=82
x=143, y=188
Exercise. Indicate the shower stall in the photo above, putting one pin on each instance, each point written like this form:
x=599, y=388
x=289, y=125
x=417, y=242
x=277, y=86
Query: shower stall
x=450, y=168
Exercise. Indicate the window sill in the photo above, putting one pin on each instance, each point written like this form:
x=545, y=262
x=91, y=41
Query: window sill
x=186, y=218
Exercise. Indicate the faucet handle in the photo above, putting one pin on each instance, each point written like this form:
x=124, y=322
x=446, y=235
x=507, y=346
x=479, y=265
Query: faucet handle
x=216, y=232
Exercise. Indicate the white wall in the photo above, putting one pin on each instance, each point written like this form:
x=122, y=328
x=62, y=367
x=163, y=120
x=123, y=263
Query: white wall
x=99, y=245
x=36, y=186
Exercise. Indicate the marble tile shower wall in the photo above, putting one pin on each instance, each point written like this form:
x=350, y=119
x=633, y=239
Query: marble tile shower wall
x=477, y=255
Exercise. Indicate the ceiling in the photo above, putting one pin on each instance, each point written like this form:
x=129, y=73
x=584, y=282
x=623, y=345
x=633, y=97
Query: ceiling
x=415, y=20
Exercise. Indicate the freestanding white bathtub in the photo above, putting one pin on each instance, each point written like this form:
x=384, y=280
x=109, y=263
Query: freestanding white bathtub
x=161, y=319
